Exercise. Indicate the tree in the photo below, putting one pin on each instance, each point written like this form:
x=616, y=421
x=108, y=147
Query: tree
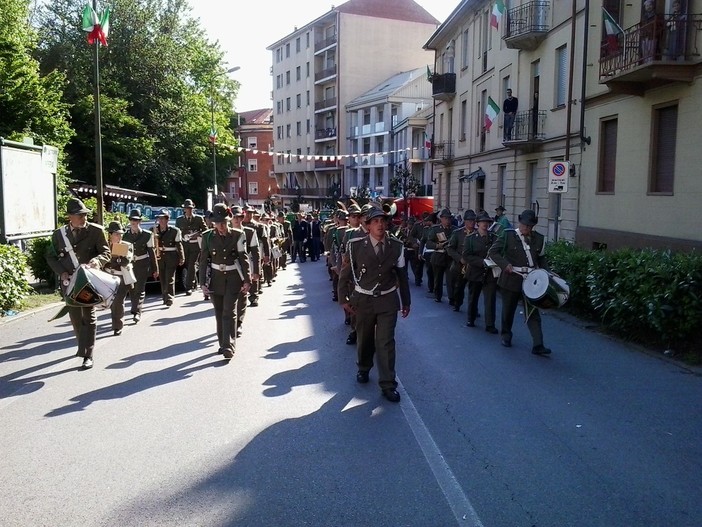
x=158, y=76
x=403, y=183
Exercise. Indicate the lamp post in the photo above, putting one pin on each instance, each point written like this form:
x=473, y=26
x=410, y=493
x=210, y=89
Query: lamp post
x=213, y=132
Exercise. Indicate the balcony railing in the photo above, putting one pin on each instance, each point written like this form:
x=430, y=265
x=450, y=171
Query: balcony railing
x=528, y=128
x=366, y=160
x=326, y=103
x=325, y=133
x=527, y=25
x=443, y=86
x=320, y=163
x=323, y=74
x=443, y=152
x=324, y=43
x=307, y=192
x=658, y=52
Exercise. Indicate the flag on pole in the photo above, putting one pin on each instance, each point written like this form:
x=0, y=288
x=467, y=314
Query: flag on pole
x=429, y=75
x=491, y=113
x=96, y=26
x=612, y=32
x=213, y=135
x=497, y=11
x=427, y=142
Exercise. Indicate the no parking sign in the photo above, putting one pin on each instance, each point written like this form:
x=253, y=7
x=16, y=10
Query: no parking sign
x=558, y=176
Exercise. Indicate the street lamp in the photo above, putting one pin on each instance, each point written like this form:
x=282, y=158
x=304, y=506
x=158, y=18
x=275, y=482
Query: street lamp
x=213, y=132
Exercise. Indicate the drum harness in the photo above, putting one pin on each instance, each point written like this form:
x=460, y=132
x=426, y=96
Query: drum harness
x=523, y=271
x=356, y=280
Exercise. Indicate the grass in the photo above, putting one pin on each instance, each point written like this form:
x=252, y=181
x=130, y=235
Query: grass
x=42, y=296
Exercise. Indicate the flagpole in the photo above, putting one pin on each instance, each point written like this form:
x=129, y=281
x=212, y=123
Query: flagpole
x=98, y=135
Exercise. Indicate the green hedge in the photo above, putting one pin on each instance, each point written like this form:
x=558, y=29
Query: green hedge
x=13, y=283
x=650, y=296
x=36, y=259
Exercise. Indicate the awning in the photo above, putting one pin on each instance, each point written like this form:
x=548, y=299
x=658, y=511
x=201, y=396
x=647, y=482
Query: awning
x=476, y=174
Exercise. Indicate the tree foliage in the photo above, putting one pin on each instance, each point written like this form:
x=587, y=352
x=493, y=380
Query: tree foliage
x=161, y=81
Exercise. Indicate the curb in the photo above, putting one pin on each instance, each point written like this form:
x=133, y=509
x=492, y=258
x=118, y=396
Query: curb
x=31, y=312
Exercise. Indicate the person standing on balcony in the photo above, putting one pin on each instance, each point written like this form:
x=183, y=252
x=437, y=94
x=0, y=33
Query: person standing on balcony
x=509, y=108
x=649, y=32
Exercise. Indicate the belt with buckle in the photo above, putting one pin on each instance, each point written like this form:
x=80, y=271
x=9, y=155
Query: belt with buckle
x=169, y=249
x=223, y=267
x=374, y=292
x=142, y=257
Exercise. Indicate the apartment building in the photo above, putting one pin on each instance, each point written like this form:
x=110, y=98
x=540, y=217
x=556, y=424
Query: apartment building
x=386, y=134
x=253, y=181
x=318, y=69
x=618, y=104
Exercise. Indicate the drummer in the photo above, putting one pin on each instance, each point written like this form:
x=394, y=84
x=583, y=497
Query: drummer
x=518, y=252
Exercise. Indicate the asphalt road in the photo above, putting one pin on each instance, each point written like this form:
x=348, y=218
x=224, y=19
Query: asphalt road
x=164, y=432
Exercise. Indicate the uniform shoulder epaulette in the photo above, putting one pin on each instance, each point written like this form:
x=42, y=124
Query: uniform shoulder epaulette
x=96, y=225
x=357, y=239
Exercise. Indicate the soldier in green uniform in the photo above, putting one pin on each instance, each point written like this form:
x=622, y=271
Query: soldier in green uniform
x=120, y=264
x=437, y=240
x=354, y=230
x=376, y=268
x=171, y=254
x=75, y=244
x=287, y=238
x=480, y=277
x=426, y=252
x=224, y=251
x=517, y=252
x=253, y=251
x=191, y=228
x=337, y=249
x=145, y=262
x=263, y=250
x=456, y=279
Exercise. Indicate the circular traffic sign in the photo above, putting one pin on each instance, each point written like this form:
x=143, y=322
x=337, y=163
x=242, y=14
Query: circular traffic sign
x=559, y=169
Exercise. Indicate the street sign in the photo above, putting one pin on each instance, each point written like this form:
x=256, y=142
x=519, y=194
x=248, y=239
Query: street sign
x=558, y=176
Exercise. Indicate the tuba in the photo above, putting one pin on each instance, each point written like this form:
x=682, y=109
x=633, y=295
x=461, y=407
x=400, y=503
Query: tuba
x=390, y=208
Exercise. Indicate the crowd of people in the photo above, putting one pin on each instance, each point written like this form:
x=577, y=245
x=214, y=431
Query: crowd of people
x=234, y=251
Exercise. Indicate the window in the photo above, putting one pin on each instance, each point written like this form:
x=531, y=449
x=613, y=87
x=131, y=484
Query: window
x=308, y=70
x=464, y=49
x=251, y=142
x=287, y=77
x=501, y=184
x=307, y=35
x=288, y=128
x=280, y=132
x=253, y=165
x=297, y=45
x=298, y=128
x=464, y=119
x=298, y=100
x=287, y=104
x=287, y=50
x=531, y=188
x=461, y=185
x=279, y=107
x=663, y=143
x=561, y=75
x=309, y=126
x=308, y=97
x=253, y=187
x=298, y=73
x=607, y=163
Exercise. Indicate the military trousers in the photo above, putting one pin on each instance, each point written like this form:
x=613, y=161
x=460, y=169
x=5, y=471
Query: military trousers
x=488, y=288
x=84, y=322
x=117, y=307
x=241, y=308
x=375, y=340
x=455, y=283
x=439, y=273
x=167, y=272
x=192, y=257
x=510, y=300
x=225, y=308
x=137, y=293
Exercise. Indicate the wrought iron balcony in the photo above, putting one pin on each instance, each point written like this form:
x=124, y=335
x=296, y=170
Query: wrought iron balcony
x=649, y=55
x=326, y=164
x=325, y=133
x=528, y=129
x=443, y=86
x=323, y=74
x=442, y=152
x=326, y=103
x=324, y=43
x=527, y=25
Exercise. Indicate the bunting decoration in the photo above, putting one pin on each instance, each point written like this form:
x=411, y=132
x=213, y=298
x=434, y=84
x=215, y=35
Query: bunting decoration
x=491, y=112
x=497, y=11
x=97, y=27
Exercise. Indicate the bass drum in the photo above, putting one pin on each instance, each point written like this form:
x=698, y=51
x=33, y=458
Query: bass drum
x=545, y=290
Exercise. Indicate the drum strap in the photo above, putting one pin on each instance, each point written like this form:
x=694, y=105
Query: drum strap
x=69, y=248
x=527, y=249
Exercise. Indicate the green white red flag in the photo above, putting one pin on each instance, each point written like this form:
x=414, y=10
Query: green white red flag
x=97, y=27
x=612, y=31
x=497, y=11
x=213, y=135
x=491, y=112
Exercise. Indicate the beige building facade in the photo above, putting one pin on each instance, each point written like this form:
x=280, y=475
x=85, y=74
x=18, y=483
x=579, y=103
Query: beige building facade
x=318, y=69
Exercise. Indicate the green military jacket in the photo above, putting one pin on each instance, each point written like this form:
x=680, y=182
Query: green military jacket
x=169, y=243
x=89, y=245
x=226, y=259
x=191, y=228
x=508, y=249
x=144, y=253
x=475, y=250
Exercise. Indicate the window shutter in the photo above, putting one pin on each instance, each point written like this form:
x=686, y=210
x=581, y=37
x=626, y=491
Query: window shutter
x=663, y=170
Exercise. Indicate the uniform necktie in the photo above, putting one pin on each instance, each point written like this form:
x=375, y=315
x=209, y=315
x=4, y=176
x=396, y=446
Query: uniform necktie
x=380, y=252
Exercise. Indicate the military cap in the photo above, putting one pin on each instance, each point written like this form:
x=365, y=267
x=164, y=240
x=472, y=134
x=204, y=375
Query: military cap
x=366, y=208
x=342, y=215
x=353, y=209
x=115, y=226
x=163, y=213
x=528, y=217
x=375, y=212
x=469, y=215
x=483, y=216
x=135, y=214
x=220, y=213
x=236, y=210
x=500, y=208
x=445, y=213
x=75, y=206
x=188, y=204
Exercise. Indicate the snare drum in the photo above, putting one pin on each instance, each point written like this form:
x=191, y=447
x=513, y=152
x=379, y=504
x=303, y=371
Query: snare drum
x=545, y=290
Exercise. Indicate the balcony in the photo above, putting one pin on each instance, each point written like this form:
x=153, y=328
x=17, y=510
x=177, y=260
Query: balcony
x=325, y=133
x=528, y=129
x=443, y=86
x=442, y=153
x=367, y=160
x=307, y=192
x=322, y=164
x=650, y=55
x=418, y=155
x=324, y=43
x=325, y=73
x=527, y=25
x=326, y=103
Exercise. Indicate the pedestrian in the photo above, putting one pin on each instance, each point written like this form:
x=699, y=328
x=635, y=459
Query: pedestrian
x=254, y=256
x=145, y=263
x=516, y=253
x=286, y=237
x=316, y=237
x=169, y=243
x=120, y=264
x=191, y=228
x=376, y=268
x=300, y=235
x=479, y=275
x=224, y=252
x=456, y=276
x=251, y=219
x=509, y=108
x=438, y=239
x=79, y=243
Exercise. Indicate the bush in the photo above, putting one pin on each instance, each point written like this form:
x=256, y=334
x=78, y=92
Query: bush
x=571, y=264
x=36, y=259
x=13, y=283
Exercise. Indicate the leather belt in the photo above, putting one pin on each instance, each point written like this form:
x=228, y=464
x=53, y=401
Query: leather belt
x=523, y=269
x=439, y=251
x=191, y=240
x=372, y=292
x=142, y=257
x=169, y=249
x=113, y=271
x=224, y=267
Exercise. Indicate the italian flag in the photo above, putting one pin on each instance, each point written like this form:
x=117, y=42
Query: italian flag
x=213, y=135
x=612, y=31
x=491, y=113
x=497, y=11
x=97, y=27
x=427, y=142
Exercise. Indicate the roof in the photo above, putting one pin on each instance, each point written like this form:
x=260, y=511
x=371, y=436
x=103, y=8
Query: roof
x=262, y=116
x=388, y=86
x=407, y=10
